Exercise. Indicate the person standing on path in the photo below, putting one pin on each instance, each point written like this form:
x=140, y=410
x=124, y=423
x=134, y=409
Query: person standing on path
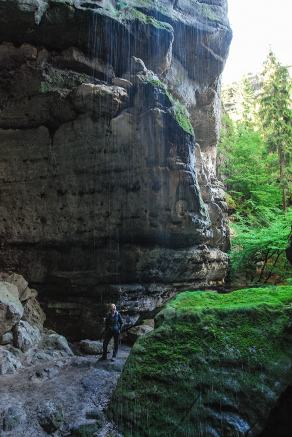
x=113, y=326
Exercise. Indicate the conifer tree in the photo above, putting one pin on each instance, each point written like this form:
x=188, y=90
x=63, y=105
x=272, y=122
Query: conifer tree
x=276, y=118
x=248, y=102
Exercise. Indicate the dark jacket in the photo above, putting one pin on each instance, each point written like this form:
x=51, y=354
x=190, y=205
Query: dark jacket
x=113, y=323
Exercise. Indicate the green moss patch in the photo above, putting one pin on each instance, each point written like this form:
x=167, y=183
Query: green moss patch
x=134, y=14
x=181, y=115
x=209, y=12
x=178, y=110
x=147, y=5
x=200, y=9
x=125, y=12
x=215, y=363
x=245, y=299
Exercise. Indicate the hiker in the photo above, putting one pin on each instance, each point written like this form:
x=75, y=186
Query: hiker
x=113, y=326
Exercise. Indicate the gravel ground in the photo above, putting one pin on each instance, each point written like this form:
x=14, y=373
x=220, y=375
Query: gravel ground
x=57, y=398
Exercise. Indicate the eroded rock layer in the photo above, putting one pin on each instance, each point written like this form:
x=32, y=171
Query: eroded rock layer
x=105, y=195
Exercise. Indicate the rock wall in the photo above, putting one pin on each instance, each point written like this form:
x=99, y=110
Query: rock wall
x=105, y=193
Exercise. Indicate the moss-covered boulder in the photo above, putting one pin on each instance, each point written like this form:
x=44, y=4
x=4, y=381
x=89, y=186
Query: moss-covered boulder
x=215, y=365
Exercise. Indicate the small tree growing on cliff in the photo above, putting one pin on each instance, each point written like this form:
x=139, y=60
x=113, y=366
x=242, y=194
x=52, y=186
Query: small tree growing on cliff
x=276, y=117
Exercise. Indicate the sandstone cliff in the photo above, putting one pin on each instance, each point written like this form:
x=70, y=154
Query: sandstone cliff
x=105, y=193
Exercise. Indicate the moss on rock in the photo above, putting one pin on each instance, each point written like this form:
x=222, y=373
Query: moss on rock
x=196, y=8
x=215, y=365
x=127, y=13
x=208, y=11
x=178, y=110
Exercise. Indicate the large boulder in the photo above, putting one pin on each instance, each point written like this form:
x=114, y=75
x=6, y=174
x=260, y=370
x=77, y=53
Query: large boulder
x=11, y=309
x=55, y=342
x=23, y=339
x=21, y=284
x=136, y=332
x=10, y=362
x=26, y=336
x=217, y=363
x=33, y=313
x=18, y=281
x=91, y=347
x=6, y=338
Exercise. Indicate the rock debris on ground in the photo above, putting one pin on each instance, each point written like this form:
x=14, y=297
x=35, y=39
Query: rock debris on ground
x=63, y=398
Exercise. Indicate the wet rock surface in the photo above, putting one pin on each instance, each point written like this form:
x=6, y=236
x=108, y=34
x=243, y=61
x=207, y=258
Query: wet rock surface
x=63, y=397
x=109, y=118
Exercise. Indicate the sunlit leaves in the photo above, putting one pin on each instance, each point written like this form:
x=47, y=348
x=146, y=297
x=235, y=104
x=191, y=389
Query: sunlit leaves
x=255, y=164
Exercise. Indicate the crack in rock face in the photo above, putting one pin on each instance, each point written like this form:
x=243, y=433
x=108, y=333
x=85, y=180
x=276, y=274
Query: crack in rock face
x=109, y=119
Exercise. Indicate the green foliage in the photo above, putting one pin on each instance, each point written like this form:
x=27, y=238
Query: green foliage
x=241, y=99
x=259, y=226
x=245, y=167
x=248, y=103
x=275, y=115
x=215, y=348
x=254, y=157
x=260, y=251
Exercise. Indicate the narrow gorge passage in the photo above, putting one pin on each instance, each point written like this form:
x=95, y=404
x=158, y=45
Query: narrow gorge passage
x=106, y=196
x=110, y=197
